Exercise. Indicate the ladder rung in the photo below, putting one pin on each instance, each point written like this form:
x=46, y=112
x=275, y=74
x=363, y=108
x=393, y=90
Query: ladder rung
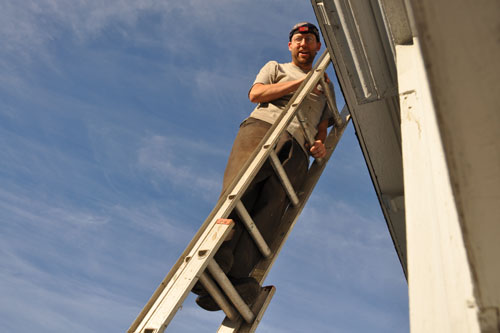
x=303, y=124
x=331, y=102
x=230, y=291
x=280, y=171
x=253, y=230
x=259, y=307
x=218, y=297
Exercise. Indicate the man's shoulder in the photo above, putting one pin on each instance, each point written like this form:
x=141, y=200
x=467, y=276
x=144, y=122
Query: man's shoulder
x=272, y=69
x=273, y=72
x=277, y=67
x=271, y=64
x=277, y=63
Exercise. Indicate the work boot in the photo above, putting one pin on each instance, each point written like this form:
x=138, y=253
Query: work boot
x=223, y=257
x=247, y=287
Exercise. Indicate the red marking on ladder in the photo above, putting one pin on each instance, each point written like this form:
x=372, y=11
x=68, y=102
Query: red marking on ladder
x=224, y=221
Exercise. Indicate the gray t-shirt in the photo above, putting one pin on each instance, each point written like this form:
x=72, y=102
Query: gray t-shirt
x=315, y=106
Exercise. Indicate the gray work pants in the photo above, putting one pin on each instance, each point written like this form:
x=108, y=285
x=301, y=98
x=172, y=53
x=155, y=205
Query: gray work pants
x=265, y=199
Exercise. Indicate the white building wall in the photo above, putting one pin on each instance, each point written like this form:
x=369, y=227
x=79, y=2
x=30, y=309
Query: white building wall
x=461, y=50
x=440, y=283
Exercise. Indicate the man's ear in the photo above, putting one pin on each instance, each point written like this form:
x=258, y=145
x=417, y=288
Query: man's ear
x=289, y=46
x=319, y=46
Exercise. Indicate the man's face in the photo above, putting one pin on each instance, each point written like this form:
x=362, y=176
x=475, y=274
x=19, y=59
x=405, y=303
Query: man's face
x=303, y=48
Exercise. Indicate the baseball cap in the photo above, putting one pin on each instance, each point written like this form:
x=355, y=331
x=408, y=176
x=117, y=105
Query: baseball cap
x=304, y=27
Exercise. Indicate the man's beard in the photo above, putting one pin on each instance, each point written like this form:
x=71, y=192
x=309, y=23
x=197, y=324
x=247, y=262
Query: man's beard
x=305, y=60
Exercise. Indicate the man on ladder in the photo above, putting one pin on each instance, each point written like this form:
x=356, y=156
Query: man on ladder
x=265, y=199
x=226, y=268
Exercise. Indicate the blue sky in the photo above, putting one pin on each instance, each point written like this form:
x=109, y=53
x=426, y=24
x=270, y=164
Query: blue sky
x=116, y=120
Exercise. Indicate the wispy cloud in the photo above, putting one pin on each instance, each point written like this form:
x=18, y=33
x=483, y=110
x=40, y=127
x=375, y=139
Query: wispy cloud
x=47, y=216
x=73, y=264
x=349, y=239
x=153, y=220
x=179, y=161
x=339, y=263
x=47, y=259
x=28, y=28
x=192, y=319
x=42, y=301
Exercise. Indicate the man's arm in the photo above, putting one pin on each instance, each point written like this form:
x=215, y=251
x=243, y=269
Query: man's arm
x=318, y=149
x=263, y=93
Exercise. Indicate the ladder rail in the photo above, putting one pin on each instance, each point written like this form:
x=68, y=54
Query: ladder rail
x=214, y=290
x=231, y=292
x=259, y=307
x=252, y=229
x=330, y=99
x=285, y=182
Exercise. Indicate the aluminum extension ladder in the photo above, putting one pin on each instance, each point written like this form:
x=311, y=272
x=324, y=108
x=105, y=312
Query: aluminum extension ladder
x=197, y=258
